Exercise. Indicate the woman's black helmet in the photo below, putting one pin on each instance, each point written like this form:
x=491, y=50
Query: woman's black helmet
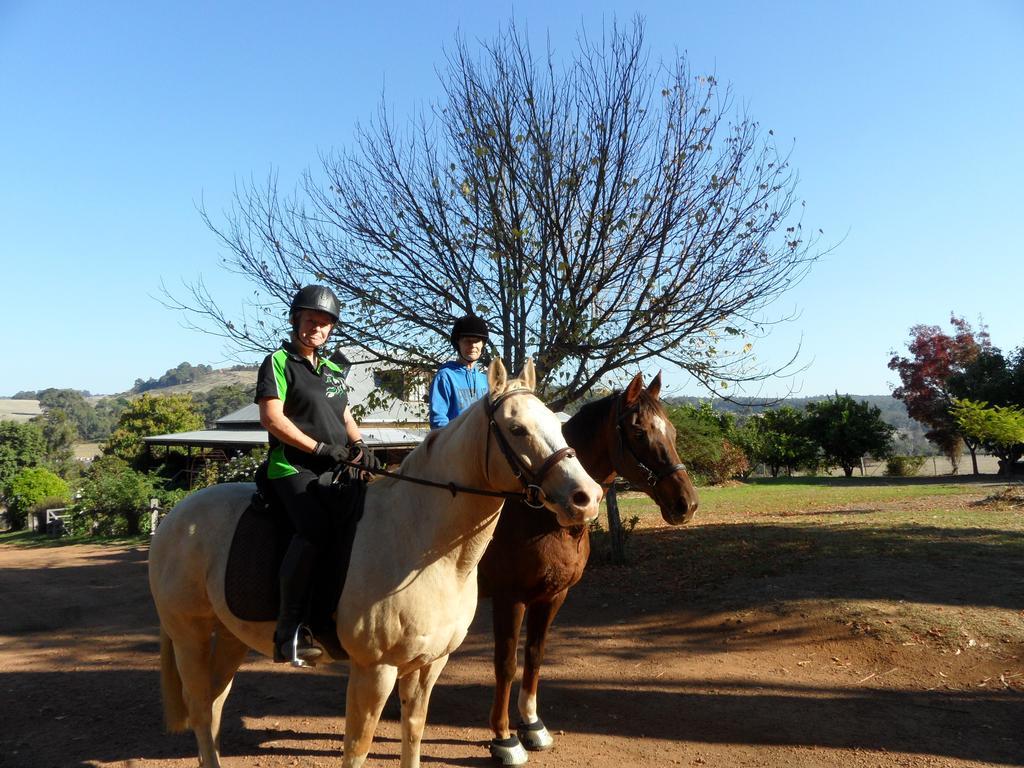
x=469, y=325
x=316, y=297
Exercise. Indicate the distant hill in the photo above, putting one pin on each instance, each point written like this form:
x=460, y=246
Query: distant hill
x=223, y=377
x=186, y=377
x=19, y=410
x=216, y=392
x=201, y=379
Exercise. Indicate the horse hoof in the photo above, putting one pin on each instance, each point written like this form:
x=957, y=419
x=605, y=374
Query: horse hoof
x=535, y=736
x=508, y=751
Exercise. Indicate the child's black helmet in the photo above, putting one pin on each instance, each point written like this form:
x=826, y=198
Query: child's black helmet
x=469, y=325
x=316, y=297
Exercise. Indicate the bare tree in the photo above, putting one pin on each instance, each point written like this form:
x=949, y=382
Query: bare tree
x=600, y=213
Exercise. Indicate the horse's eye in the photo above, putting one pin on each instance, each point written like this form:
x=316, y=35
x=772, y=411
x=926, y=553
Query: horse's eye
x=517, y=429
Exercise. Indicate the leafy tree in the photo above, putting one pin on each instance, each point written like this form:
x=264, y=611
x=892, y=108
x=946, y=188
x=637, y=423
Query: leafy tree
x=992, y=377
x=782, y=440
x=600, y=213
x=846, y=430
x=151, y=415
x=60, y=434
x=106, y=413
x=1001, y=429
x=28, y=488
x=705, y=440
x=21, y=446
x=220, y=401
x=91, y=422
x=114, y=498
x=935, y=356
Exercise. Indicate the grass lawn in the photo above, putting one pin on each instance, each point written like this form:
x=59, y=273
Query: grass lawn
x=908, y=560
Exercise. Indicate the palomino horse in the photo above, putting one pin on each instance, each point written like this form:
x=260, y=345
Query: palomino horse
x=411, y=589
x=532, y=562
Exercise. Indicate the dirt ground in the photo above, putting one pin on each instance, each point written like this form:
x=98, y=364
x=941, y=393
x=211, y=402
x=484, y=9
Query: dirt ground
x=645, y=668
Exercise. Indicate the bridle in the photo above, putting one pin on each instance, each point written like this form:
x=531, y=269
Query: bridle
x=623, y=447
x=533, y=493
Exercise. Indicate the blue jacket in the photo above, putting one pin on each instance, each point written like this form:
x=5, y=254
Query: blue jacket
x=453, y=390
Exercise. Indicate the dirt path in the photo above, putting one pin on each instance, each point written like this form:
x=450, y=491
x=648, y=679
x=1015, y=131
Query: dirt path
x=642, y=671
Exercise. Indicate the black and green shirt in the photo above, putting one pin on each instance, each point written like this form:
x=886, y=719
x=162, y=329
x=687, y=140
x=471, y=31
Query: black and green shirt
x=314, y=399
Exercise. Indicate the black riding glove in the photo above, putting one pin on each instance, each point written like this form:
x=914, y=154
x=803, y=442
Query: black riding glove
x=358, y=452
x=337, y=453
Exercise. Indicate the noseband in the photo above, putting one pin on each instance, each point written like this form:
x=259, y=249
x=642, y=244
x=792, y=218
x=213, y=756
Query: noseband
x=534, y=494
x=653, y=478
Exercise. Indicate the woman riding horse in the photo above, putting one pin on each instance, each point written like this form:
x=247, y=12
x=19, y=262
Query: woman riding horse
x=304, y=408
x=400, y=616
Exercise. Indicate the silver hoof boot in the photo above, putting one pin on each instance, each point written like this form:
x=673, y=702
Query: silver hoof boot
x=535, y=736
x=508, y=751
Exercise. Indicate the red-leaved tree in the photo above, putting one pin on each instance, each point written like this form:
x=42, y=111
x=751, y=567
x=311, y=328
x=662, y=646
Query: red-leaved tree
x=935, y=356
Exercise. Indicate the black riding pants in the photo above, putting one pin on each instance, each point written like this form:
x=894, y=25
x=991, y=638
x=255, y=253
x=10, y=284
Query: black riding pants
x=301, y=499
x=299, y=495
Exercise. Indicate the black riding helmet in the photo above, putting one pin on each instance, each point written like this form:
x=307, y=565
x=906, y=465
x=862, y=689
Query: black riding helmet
x=469, y=325
x=319, y=298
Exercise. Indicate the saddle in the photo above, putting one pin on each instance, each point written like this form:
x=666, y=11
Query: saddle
x=261, y=537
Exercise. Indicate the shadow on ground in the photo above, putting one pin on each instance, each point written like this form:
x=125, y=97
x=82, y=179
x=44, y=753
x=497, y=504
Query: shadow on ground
x=67, y=713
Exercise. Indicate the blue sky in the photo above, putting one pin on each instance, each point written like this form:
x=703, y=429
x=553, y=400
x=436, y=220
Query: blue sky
x=120, y=117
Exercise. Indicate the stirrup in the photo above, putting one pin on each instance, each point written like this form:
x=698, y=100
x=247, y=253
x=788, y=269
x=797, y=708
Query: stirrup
x=300, y=651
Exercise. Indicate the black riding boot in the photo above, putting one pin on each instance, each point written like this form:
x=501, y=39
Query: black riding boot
x=292, y=641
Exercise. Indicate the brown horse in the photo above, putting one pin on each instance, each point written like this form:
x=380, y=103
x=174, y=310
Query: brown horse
x=532, y=561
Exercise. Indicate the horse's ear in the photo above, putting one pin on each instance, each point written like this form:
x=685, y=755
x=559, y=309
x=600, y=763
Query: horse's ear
x=655, y=388
x=632, y=393
x=497, y=376
x=528, y=375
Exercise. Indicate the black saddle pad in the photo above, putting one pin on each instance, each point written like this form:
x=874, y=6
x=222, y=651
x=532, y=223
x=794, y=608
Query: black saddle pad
x=261, y=538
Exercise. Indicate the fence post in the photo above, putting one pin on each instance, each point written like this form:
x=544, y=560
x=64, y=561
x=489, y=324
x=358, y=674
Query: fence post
x=615, y=533
x=154, y=515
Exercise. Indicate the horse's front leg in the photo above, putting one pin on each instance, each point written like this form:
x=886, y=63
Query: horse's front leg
x=414, y=690
x=531, y=729
x=508, y=618
x=368, y=690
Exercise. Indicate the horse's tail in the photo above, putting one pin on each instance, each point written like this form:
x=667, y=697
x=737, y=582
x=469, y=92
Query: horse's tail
x=175, y=710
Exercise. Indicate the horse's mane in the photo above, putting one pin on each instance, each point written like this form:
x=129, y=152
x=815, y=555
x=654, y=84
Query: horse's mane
x=646, y=403
x=589, y=421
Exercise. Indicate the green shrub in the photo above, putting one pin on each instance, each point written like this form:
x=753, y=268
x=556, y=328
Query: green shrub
x=28, y=488
x=240, y=469
x=114, y=500
x=731, y=463
x=903, y=466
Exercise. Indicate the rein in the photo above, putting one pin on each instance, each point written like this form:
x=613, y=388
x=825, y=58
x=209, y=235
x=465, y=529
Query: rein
x=532, y=495
x=653, y=478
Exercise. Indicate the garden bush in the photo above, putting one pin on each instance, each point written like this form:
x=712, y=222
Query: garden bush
x=903, y=466
x=28, y=488
x=114, y=499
